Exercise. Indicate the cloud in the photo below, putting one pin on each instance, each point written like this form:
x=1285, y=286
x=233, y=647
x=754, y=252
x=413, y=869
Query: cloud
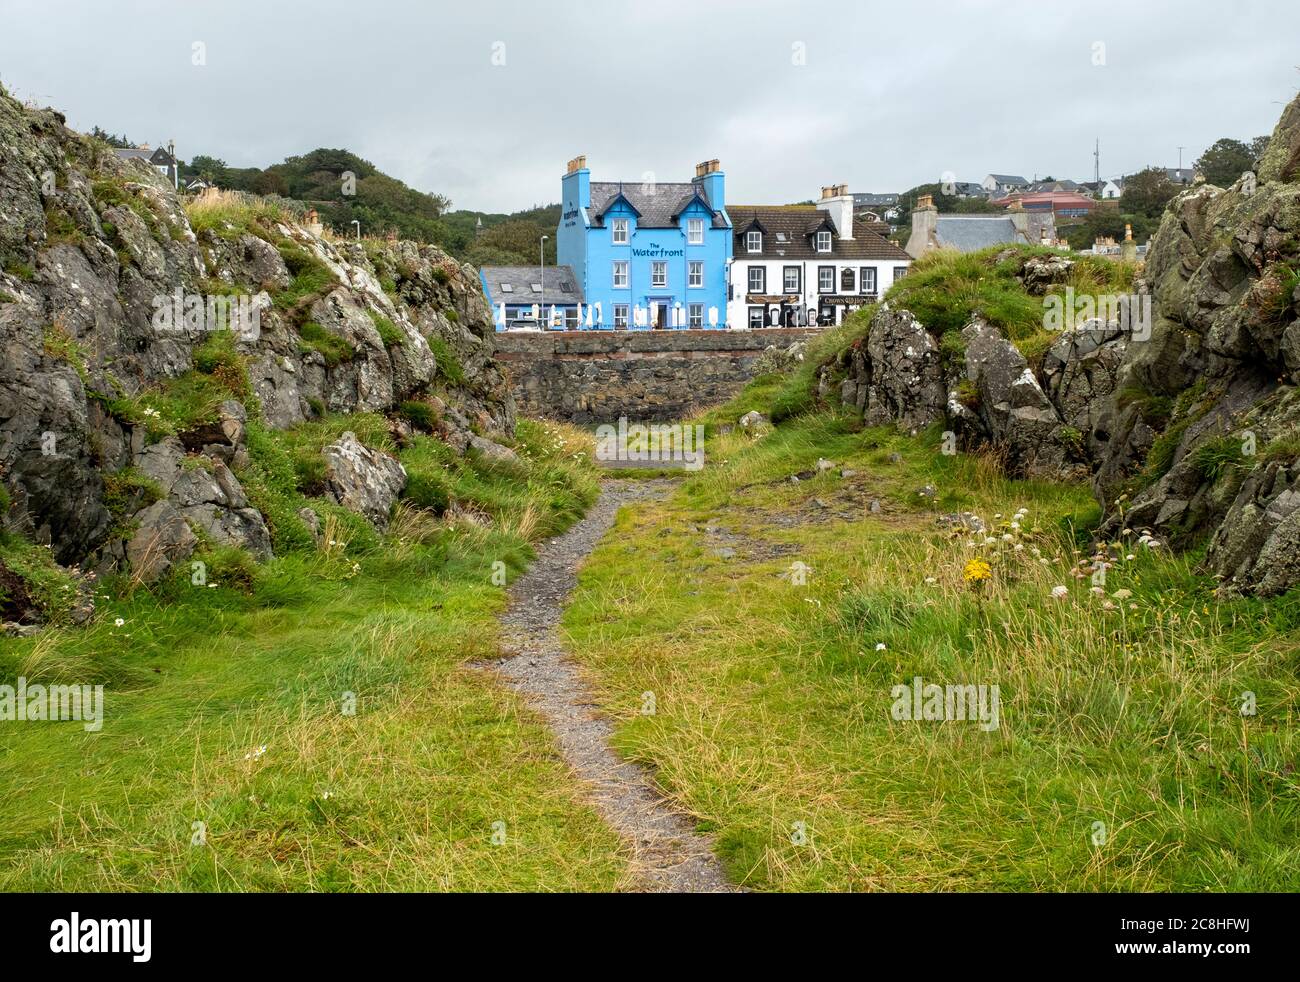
x=885, y=97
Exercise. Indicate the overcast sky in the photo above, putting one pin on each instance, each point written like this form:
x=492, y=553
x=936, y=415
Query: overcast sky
x=788, y=95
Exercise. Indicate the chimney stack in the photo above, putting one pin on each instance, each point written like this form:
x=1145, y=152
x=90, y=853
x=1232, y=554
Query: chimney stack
x=577, y=163
x=838, y=203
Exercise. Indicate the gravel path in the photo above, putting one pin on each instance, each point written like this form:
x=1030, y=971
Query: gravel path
x=668, y=857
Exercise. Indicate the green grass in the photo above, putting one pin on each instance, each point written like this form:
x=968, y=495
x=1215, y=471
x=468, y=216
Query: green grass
x=331, y=347
x=773, y=702
x=401, y=795
x=389, y=333
x=448, y=365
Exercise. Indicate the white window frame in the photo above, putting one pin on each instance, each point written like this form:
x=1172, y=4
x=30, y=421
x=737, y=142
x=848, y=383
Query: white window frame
x=695, y=316
x=695, y=231
x=865, y=273
x=753, y=241
x=900, y=272
x=694, y=267
x=658, y=274
x=620, y=225
x=749, y=317
x=823, y=241
x=620, y=267
x=620, y=315
x=749, y=279
x=822, y=272
x=785, y=279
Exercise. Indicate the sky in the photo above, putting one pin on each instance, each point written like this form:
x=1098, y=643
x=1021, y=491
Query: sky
x=486, y=101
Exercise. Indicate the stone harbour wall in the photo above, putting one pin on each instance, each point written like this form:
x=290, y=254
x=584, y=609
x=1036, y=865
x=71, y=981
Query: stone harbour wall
x=647, y=376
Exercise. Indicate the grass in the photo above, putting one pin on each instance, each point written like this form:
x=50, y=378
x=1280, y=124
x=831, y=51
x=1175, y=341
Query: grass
x=229, y=214
x=774, y=701
x=331, y=347
x=311, y=724
x=448, y=366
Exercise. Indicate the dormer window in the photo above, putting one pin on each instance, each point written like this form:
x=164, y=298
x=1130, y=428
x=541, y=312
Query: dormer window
x=753, y=241
x=695, y=231
x=823, y=241
x=620, y=231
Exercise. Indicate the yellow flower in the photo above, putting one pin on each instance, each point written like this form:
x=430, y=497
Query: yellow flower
x=976, y=570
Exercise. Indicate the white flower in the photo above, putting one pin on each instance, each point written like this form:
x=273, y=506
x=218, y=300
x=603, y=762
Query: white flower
x=1019, y=547
x=931, y=579
x=119, y=622
x=1129, y=556
x=1007, y=537
x=1122, y=594
x=990, y=541
x=1015, y=525
x=1060, y=592
x=880, y=646
x=254, y=755
x=997, y=516
x=1098, y=591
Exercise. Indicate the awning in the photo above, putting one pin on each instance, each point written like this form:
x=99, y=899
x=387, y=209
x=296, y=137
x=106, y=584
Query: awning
x=771, y=298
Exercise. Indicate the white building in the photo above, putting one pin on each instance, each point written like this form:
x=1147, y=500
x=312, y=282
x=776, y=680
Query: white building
x=794, y=265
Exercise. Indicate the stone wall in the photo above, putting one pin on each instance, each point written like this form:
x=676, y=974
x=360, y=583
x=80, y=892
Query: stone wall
x=647, y=376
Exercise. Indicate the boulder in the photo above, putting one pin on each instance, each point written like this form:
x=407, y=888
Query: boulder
x=363, y=480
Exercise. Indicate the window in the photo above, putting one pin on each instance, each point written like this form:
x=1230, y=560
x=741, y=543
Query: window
x=790, y=278
x=696, y=319
x=755, y=316
x=695, y=231
x=507, y=288
x=695, y=273
x=537, y=287
x=620, y=231
x=757, y=279
x=899, y=273
x=867, y=279
x=571, y=318
x=620, y=274
x=620, y=316
x=753, y=241
x=823, y=241
x=846, y=279
x=825, y=279
x=659, y=273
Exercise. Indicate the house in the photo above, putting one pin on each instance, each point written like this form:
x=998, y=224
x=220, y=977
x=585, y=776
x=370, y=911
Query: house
x=1067, y=185
x=969, y=189
x=1181, y=175
x=883, y=206
x=970, y=233
x=1106, y=190
x=534, y=297
x=1003, y=183
x=1064, y=204
x=645, y=253
x=795, y=265
x=161, y=160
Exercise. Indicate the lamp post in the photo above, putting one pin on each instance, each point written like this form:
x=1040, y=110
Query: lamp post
x=541, y=267
x=358, y=225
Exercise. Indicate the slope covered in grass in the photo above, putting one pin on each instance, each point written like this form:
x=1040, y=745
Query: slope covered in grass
x=1121, y=760
x=317, y=715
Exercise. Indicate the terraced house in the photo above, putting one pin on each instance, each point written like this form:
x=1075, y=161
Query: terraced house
x=647, y=254
x=797, y=265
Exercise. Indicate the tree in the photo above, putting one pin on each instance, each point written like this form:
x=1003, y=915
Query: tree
x=1147, y=192
x=1225, y=161
x=1106, y=223
x=121, y=142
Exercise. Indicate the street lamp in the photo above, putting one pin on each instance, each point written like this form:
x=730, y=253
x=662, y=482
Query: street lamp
x=358, y=225
x=541, y=267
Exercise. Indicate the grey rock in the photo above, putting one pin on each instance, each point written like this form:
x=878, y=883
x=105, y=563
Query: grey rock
x=363, y=480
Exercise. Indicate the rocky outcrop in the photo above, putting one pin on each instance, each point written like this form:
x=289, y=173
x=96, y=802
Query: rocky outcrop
x=1203, y=426
x=97, y=253
x=366, y=481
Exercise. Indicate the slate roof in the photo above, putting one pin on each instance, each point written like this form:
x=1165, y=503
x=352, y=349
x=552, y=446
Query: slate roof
x=797, y=223
x=866, y=200
x=1008, y=178
x=657, y=204
x=970, y=233
x=521, y=280
x=158, y=156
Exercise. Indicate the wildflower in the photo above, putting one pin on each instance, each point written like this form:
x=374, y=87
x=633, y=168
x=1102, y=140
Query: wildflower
x=1007, y=537
x=1097, y=591
x=254, y=755
x=118, y=622
x=1019, y=547
x=1060, y=592
x=1015, y=525
x=880, y=646
x=1122, y=594
x=1129, y=556
x=1108, y=606
x=976, y=570
x=990, y=541
x=997, y=516
x=931, y=579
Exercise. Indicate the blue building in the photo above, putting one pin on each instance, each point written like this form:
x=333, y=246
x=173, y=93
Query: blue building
x=648, y=254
